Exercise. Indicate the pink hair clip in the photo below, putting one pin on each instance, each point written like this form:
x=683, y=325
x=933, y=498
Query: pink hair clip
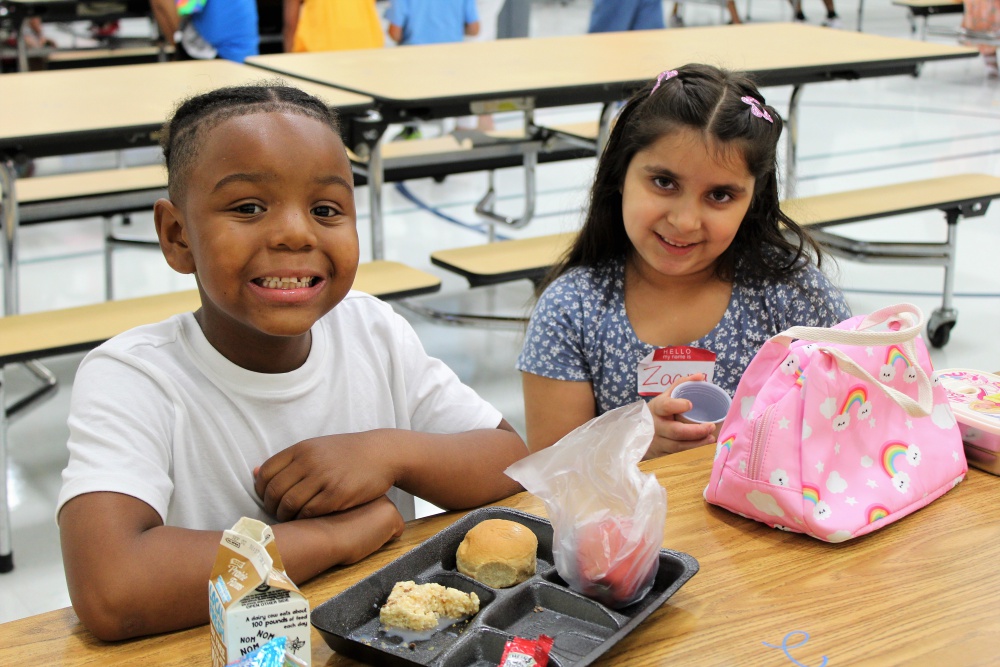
x=664, y=76
x=756, y=109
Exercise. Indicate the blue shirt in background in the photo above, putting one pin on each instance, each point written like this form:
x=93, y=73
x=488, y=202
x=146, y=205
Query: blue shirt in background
x=432, y=21
x=230, y=26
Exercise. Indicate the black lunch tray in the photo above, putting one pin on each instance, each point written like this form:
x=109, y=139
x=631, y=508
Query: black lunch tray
x=583, y=629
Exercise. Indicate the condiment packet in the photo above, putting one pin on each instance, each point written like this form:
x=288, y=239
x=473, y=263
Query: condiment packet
x=521, y=652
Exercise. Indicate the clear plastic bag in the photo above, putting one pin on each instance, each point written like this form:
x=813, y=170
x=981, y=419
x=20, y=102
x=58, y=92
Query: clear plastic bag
x=607, y=516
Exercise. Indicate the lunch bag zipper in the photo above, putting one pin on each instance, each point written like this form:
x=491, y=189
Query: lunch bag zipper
x=760, y=431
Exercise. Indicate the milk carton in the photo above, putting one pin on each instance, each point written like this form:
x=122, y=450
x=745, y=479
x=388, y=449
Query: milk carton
x=251, y=600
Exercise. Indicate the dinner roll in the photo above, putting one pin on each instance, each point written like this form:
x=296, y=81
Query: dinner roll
x=498, y=553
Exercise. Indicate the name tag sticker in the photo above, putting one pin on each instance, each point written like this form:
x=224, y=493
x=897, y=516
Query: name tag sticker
x=662, y=367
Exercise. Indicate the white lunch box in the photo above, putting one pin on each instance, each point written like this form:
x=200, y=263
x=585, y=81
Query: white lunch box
x=975, y=400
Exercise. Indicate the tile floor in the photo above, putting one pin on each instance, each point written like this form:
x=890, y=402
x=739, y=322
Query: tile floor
x=852, y=134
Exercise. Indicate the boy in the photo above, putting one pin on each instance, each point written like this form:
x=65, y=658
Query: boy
x=285, y=397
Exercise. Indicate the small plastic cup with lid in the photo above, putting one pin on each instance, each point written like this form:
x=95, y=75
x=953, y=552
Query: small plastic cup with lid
x=709, y=402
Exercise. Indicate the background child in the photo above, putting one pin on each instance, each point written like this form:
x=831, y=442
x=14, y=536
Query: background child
x=684, y=243
x=331, y=25
x=285, y=397
x=225, y=30
x=432, y=21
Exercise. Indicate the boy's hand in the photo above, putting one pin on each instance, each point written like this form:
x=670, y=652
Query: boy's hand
x=322, y=475
x=669, y=435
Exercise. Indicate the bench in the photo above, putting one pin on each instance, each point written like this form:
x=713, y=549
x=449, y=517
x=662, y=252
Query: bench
x=27, y=338
x=104, y=57
x=960, y=196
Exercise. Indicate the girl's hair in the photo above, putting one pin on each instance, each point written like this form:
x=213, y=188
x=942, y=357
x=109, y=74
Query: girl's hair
x=184, y=132
x=708, y=99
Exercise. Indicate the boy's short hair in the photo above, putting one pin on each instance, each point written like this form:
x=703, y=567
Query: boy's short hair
x=182, y=134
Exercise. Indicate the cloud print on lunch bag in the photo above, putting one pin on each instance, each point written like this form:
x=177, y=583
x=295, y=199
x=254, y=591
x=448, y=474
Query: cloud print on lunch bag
x=765, y=503
x=942, y=416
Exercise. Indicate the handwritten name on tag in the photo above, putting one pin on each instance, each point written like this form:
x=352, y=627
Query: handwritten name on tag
x=662, y=367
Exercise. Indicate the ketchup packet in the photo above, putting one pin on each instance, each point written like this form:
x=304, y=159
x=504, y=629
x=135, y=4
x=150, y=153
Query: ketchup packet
x=521, y=652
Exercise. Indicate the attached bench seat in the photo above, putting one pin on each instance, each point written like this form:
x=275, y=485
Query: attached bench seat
x=472, y=150
x=48, y=333
x=89, y=193
x=103, y=57
x=964, y=195
x=26, y=338
x=925, y=9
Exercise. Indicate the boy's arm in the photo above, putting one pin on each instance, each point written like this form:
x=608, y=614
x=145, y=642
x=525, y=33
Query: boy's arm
x=471, y=20
x=396, y=15
x=331, y=473
x=129, y=575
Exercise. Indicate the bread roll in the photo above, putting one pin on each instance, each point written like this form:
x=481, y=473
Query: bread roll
x=498, y=553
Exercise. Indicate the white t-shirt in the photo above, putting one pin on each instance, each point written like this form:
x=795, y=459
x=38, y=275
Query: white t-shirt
x=159, y=414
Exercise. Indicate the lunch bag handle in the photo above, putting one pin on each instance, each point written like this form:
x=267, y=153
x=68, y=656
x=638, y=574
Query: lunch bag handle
x=910, y=320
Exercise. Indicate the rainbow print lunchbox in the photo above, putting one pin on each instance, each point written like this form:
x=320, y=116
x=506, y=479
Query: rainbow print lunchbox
x=975, y=400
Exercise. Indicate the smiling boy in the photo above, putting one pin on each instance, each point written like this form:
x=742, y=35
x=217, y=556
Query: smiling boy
x=286, y=397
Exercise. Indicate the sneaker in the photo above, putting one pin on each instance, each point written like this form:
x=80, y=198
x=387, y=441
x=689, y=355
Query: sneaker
x=676, y=22
x=832, y=22
x=799, y=18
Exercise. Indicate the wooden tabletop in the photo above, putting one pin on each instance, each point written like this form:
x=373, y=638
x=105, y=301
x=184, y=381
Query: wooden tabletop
x=69, y=106
x=922, y=591
x=599, y=64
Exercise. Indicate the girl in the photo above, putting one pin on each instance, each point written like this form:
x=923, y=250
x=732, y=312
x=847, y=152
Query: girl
x=684, y=244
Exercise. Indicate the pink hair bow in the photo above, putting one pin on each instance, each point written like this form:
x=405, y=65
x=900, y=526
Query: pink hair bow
x=664, y=76
x=756, y=109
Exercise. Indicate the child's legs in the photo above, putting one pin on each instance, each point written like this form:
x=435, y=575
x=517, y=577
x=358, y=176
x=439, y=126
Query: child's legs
x=830, y=11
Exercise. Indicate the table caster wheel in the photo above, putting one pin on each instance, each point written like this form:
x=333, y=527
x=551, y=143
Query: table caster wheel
x=938, y=333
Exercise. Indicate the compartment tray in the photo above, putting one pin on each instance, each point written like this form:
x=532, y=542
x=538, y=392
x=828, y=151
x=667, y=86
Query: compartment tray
x=583, y=629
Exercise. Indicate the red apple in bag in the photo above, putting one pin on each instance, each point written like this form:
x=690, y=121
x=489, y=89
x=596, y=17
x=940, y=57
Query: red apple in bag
x=613, y=571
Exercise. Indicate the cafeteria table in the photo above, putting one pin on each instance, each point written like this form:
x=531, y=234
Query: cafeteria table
x=443, y=80
x=107, y=108
x=921, y=591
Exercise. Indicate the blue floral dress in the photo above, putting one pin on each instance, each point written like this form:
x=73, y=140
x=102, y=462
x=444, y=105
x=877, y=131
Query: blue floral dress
x=579, y=330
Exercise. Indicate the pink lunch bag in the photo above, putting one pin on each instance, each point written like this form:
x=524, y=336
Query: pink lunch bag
x=840, y=432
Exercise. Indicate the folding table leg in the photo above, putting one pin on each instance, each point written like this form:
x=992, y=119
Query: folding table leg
x=6, y=541
x=8, y=234
x=943, y=319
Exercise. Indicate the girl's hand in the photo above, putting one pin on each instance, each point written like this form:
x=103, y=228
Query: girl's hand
x=669, y=435
x=322, y=475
